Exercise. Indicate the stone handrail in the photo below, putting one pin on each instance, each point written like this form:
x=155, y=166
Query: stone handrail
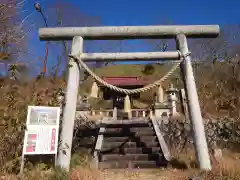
x=160, y=138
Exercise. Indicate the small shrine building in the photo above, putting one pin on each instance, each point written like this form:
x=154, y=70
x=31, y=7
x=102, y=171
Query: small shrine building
x=126, y=82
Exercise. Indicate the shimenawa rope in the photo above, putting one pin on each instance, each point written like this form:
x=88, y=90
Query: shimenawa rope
x=77, y=58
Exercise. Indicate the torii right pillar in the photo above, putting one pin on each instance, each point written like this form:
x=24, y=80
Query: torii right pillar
x=195, y=116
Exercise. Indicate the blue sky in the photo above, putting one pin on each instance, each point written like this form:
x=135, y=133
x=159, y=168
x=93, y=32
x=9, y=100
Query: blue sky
x=143, y=12
x=146, y=12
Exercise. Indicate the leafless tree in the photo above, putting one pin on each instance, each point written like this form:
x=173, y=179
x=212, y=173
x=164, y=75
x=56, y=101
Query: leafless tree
x=12, y=36
x=218, y=77
x=60, y=14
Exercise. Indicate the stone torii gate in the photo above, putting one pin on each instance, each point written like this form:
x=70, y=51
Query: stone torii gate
x=180, y=33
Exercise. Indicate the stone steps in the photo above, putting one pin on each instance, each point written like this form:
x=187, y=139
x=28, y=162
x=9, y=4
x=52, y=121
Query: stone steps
x=130, y=157
x=132, y=123
x=112, y=133
x=133, y=150
x=127, y=164
x=130, y=144
x=111, y=145
x=126, y=129
x=129, y=138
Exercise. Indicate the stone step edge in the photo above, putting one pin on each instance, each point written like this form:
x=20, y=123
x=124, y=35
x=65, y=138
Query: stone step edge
x=119, y=122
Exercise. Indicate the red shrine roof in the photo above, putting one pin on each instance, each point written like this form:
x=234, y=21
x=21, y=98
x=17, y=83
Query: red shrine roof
x=126, y=81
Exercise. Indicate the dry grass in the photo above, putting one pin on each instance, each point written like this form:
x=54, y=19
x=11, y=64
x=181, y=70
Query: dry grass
x=227, y=169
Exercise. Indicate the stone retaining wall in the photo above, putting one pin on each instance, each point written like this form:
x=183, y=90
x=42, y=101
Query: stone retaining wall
x=224, y=133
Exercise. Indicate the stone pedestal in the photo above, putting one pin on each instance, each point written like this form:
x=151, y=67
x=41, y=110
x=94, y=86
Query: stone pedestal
x=161, y=109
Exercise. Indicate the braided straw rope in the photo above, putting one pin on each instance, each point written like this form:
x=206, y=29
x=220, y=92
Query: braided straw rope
x=130, y=91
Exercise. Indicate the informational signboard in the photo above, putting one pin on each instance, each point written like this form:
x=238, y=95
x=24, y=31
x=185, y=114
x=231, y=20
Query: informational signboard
x=41, y=136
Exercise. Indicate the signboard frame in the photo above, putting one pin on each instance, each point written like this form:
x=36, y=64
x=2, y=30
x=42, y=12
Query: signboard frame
x=40, y=125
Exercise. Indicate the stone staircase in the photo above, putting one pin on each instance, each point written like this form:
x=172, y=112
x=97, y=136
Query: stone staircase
x=129, y=144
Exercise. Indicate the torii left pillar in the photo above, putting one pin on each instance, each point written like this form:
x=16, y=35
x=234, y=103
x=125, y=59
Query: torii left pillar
x=64, y=154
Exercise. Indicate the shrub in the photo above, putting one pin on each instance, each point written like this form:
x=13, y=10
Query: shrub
x=148, y=69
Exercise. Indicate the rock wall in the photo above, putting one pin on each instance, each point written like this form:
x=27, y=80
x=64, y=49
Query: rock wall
x=222, y=132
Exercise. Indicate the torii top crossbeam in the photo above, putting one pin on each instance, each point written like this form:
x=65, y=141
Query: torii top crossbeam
x=128, y=32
